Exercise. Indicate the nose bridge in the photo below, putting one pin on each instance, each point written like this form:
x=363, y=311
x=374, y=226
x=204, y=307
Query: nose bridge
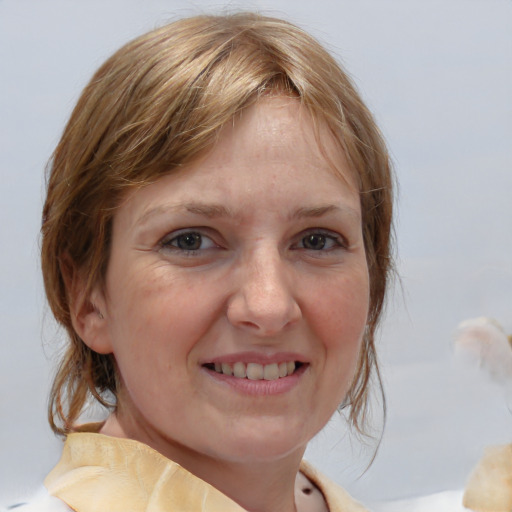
x=265, y=280
x=264, y=300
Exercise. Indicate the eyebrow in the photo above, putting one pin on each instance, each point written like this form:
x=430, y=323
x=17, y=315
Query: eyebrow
x=212, y=211
x=205, y=210
x=320, y=211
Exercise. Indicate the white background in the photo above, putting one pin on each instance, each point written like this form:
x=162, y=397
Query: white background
x=438, y=76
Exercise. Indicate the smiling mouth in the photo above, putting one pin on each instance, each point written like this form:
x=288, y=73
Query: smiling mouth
x=255, y=371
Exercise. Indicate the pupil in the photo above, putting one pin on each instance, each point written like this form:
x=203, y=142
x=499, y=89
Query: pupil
x=190, y=241
x=314, y=242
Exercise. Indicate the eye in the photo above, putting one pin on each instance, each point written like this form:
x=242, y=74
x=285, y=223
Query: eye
x=320, y=241
x=316, y=241
x=188, y=241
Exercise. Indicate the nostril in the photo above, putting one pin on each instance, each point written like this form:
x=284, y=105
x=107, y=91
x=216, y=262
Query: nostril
x=246, y=323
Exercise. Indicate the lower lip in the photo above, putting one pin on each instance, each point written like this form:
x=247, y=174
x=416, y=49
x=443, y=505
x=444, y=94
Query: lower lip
x=260, y=387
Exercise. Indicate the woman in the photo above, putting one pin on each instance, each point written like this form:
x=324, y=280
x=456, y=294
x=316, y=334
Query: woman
x=216, y=242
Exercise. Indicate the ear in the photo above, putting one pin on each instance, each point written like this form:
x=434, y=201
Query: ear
x=88, y=313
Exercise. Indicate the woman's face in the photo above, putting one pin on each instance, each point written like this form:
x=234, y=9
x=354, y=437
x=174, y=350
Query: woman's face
x=236, y=294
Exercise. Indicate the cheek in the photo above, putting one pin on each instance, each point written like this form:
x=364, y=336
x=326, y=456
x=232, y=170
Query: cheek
x=159, y=314
x=339, y=319
x=340, y=311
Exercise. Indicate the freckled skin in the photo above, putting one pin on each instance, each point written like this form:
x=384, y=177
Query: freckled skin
x=252, y=286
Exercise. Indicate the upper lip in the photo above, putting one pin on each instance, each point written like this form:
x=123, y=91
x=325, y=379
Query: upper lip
x=256, y=357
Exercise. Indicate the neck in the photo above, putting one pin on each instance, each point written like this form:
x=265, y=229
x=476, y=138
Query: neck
x=257, y=486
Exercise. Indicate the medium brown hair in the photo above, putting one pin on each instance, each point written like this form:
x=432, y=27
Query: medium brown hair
x=154, y=106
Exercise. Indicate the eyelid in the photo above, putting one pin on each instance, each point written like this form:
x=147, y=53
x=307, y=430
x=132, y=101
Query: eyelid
x=165, y=242
x=339, y=239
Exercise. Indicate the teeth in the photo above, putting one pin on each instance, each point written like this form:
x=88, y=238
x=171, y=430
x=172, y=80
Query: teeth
x=271, y=372
x=226, y=369
x=239, y=370
x=255, y=371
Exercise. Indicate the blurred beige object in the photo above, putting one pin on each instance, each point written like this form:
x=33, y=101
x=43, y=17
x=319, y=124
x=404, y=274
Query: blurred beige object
x=490, y=485
x=484, y=341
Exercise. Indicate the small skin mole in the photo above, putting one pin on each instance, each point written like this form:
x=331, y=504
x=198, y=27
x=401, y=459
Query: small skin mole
x=307, y=490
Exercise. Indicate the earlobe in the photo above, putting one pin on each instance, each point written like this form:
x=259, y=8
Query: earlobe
x=88, y=314
x=93, y=324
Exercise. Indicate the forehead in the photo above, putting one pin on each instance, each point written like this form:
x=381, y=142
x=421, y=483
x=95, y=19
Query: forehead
x=273, y=152
x=280, y=130
x=281, y=121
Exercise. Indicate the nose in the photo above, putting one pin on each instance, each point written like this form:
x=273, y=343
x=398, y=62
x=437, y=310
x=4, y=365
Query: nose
x=263, y=302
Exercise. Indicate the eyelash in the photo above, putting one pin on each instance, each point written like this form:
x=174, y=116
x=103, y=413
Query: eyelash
x=167, y=242
x=331, y=239
x=337, y=241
